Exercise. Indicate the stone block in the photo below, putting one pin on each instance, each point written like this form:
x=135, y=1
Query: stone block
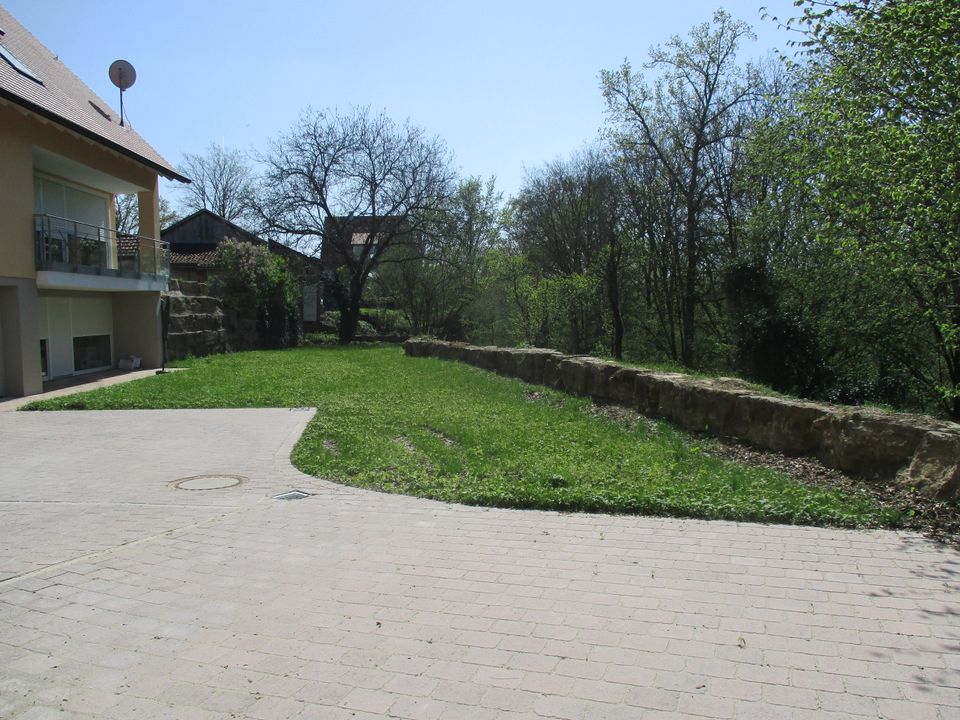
x=872, y=444
x=935, y=467
x=920, y=452
x=781, y=424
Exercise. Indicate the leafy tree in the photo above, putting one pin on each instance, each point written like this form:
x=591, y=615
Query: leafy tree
x=773, y=345
x=680, y=133
x=567, y=224
x=334, y=172
x=222, y=182
x=498, y=311
x=652, y=213
x=882, y=114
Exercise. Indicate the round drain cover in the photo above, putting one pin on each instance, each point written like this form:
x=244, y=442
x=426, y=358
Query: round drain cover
x=208, y=482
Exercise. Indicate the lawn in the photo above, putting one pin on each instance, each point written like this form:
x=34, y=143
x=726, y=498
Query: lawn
x=452, y=432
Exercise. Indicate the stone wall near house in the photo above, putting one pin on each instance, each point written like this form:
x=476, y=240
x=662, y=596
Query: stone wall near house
x=916, y=451
x=196, y=321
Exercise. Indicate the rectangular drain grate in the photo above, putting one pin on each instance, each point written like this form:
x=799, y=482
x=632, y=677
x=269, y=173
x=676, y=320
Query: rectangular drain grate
x=292, y=495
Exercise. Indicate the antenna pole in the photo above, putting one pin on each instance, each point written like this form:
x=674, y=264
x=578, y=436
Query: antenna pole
x=123, y=76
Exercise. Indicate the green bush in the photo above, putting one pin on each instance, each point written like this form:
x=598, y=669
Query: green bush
x=320, y=339
x=386, y=321
x=329, y=322
x=261, y=297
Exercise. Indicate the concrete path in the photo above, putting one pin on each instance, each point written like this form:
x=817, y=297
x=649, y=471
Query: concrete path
x=80, y=383
x=122, y=596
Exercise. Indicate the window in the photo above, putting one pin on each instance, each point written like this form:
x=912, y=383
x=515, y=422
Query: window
x=65, y=201
x=44, y=363
x=17, y=65
x=91, y=352
x=76, y=225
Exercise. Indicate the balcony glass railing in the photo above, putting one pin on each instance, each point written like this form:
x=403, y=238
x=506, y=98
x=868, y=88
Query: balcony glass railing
x=66, y=245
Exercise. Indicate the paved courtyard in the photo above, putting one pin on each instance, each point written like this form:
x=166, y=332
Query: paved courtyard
x=122, y=596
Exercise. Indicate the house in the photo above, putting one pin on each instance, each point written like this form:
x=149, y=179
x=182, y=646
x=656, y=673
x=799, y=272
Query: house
x=193, y=244
x=344, y=241
x=74, y=295
x=345, y=237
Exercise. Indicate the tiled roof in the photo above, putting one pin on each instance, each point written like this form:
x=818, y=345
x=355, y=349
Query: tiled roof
x=201, y=259
x=127, y=245
x=204, y=230
x=205, y=226
x=65, y=99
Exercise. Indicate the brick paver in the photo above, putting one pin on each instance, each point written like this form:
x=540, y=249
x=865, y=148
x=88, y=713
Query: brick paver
x=123, y=597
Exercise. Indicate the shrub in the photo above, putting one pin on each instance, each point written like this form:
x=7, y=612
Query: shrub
x=773, y=346
x=320, y=339
x=261, y=297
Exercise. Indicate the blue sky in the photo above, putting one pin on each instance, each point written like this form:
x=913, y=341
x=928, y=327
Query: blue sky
x=507, y=85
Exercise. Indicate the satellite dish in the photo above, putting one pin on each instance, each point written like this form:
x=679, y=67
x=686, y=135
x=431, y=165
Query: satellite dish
x=123, y=76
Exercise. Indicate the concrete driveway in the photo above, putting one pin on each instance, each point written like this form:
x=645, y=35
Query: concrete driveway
x=122, y=596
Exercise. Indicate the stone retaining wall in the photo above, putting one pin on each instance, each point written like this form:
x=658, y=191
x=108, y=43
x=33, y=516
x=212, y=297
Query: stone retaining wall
x=196, y=321
x=917, y=451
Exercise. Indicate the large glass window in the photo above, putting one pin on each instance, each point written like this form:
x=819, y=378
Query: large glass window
x=76, y=225
x=91, y=352
x=53, y=198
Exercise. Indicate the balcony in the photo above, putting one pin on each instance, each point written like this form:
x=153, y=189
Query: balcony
x=70, y=246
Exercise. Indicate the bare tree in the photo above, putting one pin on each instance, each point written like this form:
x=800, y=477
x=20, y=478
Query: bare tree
x=127, y=212
x=222, y=183
x=684, y=124
x=357, y=183
x=436, y=283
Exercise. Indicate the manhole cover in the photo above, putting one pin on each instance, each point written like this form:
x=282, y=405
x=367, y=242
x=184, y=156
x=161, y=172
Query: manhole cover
x=208, y=482
x=292, y=495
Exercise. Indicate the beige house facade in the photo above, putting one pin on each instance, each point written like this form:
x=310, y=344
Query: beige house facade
x=75, y=295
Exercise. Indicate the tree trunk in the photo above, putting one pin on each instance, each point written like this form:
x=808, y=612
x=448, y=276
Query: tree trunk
x=689, y=299
x=613, y=296
x=688, y=302
x=950, y=354
x=350, y=314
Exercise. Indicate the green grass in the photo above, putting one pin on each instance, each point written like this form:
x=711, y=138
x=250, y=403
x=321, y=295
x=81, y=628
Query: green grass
x=451, y=432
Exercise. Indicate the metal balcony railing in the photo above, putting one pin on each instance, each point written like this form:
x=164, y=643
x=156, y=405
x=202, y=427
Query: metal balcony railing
x=66, y=245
